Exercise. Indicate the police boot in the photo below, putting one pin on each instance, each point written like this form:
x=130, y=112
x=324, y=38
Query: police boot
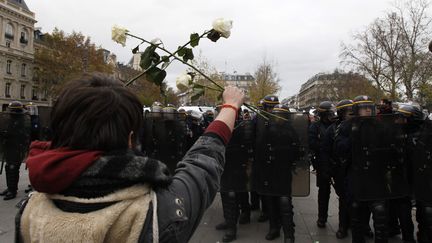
x=4, y=192
x=427, y=225
x=393, y=226
x=231, y=215
x=343, y=219
x=9, y=195
x=287, y=219
x=405, y=218
x=380, y=218
x=323, y=200
x=245, y=208
x=357, y=222
x=224, y=198
x=274, y=217
x=230, y=235
x=12, y=177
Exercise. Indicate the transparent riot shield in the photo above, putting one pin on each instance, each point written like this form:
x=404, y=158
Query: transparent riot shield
x=281, y=166
x=238, y=158
x=164, y=137
x=422, y=164
x=379, y=168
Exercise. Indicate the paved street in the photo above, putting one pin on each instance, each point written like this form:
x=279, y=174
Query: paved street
x=305, y=217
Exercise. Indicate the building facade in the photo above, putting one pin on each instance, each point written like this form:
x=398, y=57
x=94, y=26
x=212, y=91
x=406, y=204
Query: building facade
x=17, y=54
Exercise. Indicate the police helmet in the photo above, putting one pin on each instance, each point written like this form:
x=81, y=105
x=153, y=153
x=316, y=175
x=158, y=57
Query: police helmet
x=363, y=101
x=16, y=107
x=270, y=101
x=326, y=108
x=343, y=107
x=412, y=112
x=281, y=109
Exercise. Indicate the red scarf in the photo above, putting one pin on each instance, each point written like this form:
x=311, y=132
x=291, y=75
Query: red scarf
x=54, y=170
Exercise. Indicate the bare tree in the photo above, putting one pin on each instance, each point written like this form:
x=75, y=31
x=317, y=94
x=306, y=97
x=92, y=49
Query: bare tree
x=266, y=81
x=391, y=50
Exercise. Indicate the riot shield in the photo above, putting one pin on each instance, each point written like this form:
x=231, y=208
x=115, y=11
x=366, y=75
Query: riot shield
x=164, y=137
x=301, y=172
x=45, y=123
x=4, y=123
x=379, y=169
x=238, y=158
x=16, y=138
x=422, y=164
x=281, y=165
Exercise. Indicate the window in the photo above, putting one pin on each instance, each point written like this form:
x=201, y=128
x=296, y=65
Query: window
x=9, y=31
x=8, y=67
x=34, y=93
x=7, y=90
x=36, y=74
x=22, y=91
x=8, y=43
x=23, y=70
x=24, y=37
x=45, y=95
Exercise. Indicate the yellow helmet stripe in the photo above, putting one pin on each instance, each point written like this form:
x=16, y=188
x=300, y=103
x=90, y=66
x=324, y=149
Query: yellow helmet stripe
x=362, y=102
x=342, y=106
x=280, y=109
x=406, y=112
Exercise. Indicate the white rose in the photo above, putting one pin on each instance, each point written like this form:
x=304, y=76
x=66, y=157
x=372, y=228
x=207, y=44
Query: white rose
x=183, y=81
x=223, y=26
x=156, y=41
x=118, y=34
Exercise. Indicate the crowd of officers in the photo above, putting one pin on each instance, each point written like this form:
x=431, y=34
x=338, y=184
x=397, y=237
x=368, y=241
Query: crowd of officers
x=331, y=145
x=329, y=140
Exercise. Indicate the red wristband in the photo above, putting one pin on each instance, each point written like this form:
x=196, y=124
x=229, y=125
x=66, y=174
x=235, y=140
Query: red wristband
x=232, y=107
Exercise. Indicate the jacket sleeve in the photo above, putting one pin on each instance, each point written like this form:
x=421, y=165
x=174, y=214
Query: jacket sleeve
x=195, y=183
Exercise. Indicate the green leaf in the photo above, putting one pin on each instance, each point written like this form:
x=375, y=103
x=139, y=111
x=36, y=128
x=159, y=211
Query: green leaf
x=135, y=50
x=156, y=75
x=165, y=58
x=146, y=57
x=155, y=58
x=196, y=93
x=181, y=51
x=188, y=55
x=194, y=39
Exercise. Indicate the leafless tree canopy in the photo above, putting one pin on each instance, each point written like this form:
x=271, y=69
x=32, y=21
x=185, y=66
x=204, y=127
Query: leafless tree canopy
x=392, y=51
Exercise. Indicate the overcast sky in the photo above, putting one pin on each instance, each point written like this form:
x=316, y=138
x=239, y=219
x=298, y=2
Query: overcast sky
x=302, y=37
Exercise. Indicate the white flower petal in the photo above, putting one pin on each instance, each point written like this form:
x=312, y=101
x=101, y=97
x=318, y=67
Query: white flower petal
x=223, y=26
x=118, y=34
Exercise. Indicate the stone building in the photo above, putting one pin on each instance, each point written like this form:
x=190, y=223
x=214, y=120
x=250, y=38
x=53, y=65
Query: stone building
x=17, y=54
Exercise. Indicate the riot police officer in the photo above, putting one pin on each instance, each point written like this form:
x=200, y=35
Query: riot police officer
x=281, y=158
x=335, y=167
x=317, y=130
x=267, y=103
x=417, y=129
x=363, y=107
x=15, y=141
